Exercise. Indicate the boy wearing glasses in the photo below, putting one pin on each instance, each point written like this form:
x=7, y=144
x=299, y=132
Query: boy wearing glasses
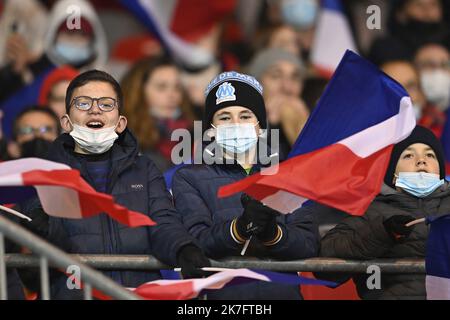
x=98, y=144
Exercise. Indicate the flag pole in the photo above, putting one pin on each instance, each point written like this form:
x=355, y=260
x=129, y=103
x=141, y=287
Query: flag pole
x=16, y=213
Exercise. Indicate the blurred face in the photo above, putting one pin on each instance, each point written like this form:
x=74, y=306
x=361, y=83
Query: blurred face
x=407, y=76
x=235, y=115
x=282, y=78
x=56, y=100
x=163, y=93
x=418, y=157
x=432, y=57
x=36, y=125
x=424, y=10
x=285, y=38
x=94, y=118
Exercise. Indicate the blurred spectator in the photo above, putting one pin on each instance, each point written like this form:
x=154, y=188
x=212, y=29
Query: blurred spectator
x=405, y=73
x=155, y=106
x=312, y=91
x=281, y=75
x=76, y=41
x=22, y=25
x=53, y=90
x=427, y=114
x=34, y=129
x=194, y=83
x=280, y=36
x=433, y=63
x=412, y=24
x=82, y=46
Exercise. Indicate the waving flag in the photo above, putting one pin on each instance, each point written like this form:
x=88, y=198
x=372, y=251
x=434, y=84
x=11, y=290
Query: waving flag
x=341, y=155
x=62, y=191
x=332, y=38
x=437, y=262
x=178, y=24
x=191, y=288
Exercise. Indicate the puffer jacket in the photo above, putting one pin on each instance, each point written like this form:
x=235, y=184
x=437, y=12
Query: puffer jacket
x=135, y=183
x=208, y=219
x=366, y=238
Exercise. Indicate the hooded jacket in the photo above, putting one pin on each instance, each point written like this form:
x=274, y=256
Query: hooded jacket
x=135, y=183
x=366, y=238
x=208, y=217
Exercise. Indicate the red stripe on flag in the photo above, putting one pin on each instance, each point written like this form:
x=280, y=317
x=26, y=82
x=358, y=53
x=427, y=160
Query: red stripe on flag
x=333, y=176
x=176, y=291
x=91, y=201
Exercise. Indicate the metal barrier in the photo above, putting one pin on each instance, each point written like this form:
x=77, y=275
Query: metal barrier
x=140, y=262
x=50, y=255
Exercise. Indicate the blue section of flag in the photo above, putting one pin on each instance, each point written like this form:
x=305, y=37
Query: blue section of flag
x=346, y=110
x=146, y=18
x=25, y=97
x=437, y=261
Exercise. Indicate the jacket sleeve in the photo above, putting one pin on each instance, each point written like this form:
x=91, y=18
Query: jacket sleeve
x=300, y=238
x=169, y=235
x=357, y=237
x=213, y=236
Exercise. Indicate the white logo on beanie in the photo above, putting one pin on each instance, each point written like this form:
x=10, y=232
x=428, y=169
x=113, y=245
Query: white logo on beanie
x=225, y=92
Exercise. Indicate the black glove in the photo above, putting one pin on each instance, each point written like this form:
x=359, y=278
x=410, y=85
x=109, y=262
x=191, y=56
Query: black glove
x=39, y=225
x=395, y=226
x=191, y=259
x=257, y=219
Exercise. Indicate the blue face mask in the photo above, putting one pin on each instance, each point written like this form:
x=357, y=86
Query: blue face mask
x=419, y=184
x=236, y=138
x=73, y=54
x=299, y=13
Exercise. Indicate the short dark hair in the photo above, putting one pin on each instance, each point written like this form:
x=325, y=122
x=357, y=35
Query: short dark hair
x=35, y=108
x=89, y=76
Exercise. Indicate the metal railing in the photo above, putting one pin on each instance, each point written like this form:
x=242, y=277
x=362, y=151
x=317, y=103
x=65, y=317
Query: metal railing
x=45, y=254
x=50, y=255
x=148, y=263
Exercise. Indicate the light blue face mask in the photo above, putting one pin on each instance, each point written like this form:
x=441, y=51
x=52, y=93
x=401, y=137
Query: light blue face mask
x=72, y=53
x=236, y=138
x=419, y=184
x=299, y=13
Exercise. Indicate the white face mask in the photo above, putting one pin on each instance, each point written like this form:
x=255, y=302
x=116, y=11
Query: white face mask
x=94, y=141
x=436, y=86
x=236, y=138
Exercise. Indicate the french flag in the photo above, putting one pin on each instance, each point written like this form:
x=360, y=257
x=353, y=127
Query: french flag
x=341, y=155
x=437, y=261
x=179, y=24
x=332, y=38
x=62, y=191
x=192, y=288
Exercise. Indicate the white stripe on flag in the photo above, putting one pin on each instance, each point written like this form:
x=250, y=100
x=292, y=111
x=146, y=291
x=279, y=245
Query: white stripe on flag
x=219, y=280
x=438, y=288
x=385, y=133
x=283, y=201
x=332, y=37
x=60, y=201
x=11, y=180
x=28, y=164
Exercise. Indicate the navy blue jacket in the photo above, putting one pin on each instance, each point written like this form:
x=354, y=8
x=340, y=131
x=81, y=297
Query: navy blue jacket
x=208, y=219
x=135, y=183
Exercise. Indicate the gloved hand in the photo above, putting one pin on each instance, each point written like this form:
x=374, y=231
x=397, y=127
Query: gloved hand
x=257, y=219
x=191, y=259
x=395, y=226
x=39, y=225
